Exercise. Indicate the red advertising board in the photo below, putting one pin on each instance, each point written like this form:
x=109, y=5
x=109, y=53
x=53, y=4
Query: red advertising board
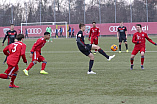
x=105, y=29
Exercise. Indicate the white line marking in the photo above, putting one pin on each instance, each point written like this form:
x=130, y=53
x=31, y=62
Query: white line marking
x=79, y=51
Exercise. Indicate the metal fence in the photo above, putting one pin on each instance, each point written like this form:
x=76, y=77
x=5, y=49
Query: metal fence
x=76, y=11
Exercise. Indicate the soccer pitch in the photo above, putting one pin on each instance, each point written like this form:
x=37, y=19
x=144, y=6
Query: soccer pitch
x=68, y=82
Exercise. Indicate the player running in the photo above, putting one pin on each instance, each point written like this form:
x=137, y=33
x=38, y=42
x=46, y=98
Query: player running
x=16, y=50
x=94, y=34
x=139, y=41
x=122, y=35
x=11, y=34
x=86, y=48
x=48, y=29
x=36, y=54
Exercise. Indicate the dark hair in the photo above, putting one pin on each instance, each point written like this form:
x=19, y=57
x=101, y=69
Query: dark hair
x=94, y=22
x=11, y=24
x=19, y=37
x=139, y=25
x=46, y=33
x=81, y=25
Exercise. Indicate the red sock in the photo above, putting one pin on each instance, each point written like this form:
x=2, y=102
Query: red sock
x=142, y=60
x=12, y=79
x=30, y=66
x=96, y=50
x=43, y=65
x=131, y=60
x=4, y=76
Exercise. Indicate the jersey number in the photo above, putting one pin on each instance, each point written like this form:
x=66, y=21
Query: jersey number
x=15, y=45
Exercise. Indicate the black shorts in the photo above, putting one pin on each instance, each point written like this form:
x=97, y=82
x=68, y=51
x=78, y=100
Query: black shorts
x=84, y=51
x=121, y=39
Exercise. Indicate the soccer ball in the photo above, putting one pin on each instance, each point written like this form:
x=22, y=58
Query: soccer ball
x=114, y=47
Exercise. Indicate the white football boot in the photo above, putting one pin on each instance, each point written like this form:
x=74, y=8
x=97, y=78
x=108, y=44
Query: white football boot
x=91, y=72
x=111, y=57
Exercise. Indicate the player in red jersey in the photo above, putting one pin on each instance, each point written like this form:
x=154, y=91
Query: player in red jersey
x=16, y=50
x=36, y=54
x=94, y=34
x=139, y=41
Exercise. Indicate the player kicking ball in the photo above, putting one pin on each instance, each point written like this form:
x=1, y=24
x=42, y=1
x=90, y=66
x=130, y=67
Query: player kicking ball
x=139, y=41
x=36, y=54
x=86, y=48
x=16, y=50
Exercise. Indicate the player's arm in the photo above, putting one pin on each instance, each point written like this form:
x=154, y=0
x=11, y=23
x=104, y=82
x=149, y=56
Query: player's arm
x=4, y=39
x=150, y=40
x=23, y=53
x=40, y=51
x=98, y=32
x=118, y=33
x=16, y=34
x=5, y=50
x=134, y=39
x=15, y=40
x=80, y=42
x=90, y=34
x=37, y=43
x=126, y=32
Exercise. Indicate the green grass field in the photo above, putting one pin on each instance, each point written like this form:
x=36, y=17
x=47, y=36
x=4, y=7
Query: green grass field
x=68, y=83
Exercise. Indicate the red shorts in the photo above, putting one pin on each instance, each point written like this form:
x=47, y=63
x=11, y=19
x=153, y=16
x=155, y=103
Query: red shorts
x=11, y=70
x=94, y=40
x=37, y=57
x=135, y=50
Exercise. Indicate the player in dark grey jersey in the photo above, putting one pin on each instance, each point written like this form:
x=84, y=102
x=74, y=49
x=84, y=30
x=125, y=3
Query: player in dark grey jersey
x=86, y=48
x=122, y=36
x=11, y=35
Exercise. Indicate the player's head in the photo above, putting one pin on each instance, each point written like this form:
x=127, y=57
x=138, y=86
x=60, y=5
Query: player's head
x=121, y=24
x=138, y=27
x=94, y=24
x=12, y=26
x=82, y=26
x=20, y=37
x=47, y=35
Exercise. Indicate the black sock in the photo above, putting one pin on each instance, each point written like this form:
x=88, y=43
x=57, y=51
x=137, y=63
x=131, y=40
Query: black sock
x=91, y=65
x=119, y=47
x=126, y=45
x=103, y=53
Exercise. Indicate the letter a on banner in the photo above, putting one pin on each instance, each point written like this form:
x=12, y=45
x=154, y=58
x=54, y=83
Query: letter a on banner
x=133, y=28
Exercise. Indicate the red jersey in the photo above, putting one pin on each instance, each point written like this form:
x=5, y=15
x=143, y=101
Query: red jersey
x=94, y=32
x=16, y=50
x=139, y=39
x=38, y=45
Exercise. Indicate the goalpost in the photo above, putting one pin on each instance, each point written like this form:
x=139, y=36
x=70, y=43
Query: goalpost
x=36, y=29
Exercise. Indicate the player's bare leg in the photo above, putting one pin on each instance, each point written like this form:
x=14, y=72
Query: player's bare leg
x=29, y=67
x=142, y=60
x=120, y=47
x=91, y=62
x=102, y=52
x=126, y=45
x=43, y=67
x=132, y=61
